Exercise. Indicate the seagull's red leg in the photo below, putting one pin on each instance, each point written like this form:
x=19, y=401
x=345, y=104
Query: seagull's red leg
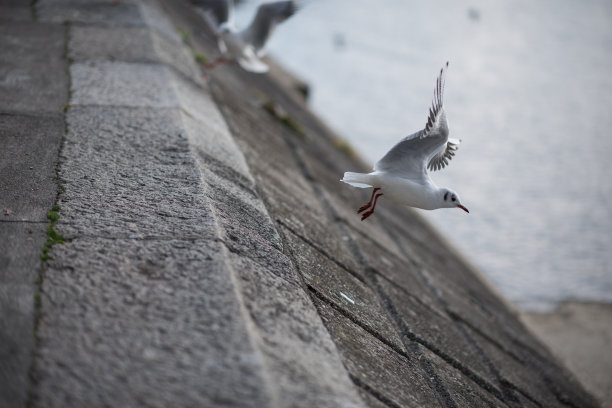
x=212, y=65
x=221, y=60
x=365, y=207
x=371, y=211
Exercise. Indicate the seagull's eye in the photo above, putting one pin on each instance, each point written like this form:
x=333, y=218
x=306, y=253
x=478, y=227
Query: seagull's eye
x=453, y=198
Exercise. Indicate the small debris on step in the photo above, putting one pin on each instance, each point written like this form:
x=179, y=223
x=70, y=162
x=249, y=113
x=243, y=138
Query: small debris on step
x=347, y=298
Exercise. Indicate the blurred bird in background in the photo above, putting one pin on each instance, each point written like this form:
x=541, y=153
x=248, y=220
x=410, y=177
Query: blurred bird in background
x=243, y=46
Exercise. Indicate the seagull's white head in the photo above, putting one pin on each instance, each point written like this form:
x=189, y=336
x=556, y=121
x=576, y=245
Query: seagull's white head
x=450, y=199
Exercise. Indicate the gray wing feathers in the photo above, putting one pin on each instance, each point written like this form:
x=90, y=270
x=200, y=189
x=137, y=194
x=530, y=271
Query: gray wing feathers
x=436, y=124
x=441, y=159
x=268, y=15
x=403, y=158
x=216, y=12
x=428, y=147
x=436, y=119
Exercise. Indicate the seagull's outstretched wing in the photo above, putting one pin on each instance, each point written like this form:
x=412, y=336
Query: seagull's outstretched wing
x=216, y=12
x=444, y=155
x=268, y=15
x=427, y=148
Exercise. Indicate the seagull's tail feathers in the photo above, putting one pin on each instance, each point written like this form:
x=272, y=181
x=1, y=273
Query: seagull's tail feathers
x=254, y=67
x=253, y=64
x=359, y=180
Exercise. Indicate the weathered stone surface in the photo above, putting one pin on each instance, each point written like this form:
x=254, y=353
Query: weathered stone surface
x=535, y=379
x=122, y=84
x=19, y=11
x=144, y=323
x=370, y=400
x=397, y=270
x=303, y=362
x=21, y=245
x=32, y=67
x=20, y=249
x=375, y=365
x=126, y=13
x=129, y=172
x=15, y=3
x=108, y=13
x=304, y=365
x=234, y=202
x=216, y=151
x=157, y=19
x=375, y=236
x=485, y=320
x=292, y=200
x=156, y=319
x=335, y=285
x=140, y=85
x=436, y=331
x=30, y=146
x=159, y=166
x=130, y=44
x=33, y=89
x=462, y=390
x=445, y=271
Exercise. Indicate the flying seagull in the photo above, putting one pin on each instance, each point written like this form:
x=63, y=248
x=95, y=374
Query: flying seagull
x=402, y=174
x=245, y=46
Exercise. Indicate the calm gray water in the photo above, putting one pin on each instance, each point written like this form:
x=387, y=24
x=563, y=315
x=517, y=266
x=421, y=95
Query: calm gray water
x=529, y=91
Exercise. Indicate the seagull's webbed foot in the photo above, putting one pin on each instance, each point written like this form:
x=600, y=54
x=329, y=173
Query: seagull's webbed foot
x=363, y=208
x=366, y=206
x=366, y=214
x=371, y=211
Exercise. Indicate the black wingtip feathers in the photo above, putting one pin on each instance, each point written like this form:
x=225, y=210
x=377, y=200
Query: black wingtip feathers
x=437, y=100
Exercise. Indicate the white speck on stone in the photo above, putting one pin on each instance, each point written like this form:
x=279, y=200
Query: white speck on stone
x=347, y=298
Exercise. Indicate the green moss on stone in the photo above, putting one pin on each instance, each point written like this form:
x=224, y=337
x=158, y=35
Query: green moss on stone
x=53, y=216
x=183, y=34
x=283, y=117
x=200, y=58
x=53, y=237
x=345, y=147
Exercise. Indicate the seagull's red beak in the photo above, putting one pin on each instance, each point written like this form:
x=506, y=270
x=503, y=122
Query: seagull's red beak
x=463, y=208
